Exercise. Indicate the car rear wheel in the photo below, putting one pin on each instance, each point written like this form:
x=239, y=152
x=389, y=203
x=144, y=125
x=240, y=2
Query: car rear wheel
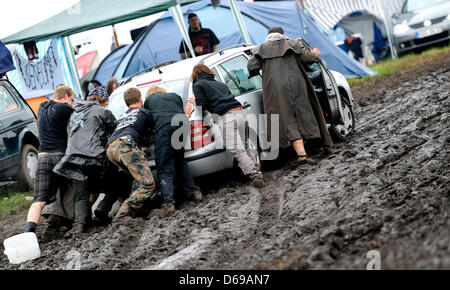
x=342, y=132
x=28, y=167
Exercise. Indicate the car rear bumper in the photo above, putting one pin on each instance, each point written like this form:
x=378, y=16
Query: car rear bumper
x=205, y=160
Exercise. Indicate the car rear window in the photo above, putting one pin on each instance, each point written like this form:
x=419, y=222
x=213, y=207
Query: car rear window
x=117, y=104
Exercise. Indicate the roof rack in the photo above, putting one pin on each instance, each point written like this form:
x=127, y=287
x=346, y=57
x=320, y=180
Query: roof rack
x=149, y=69
x=223, y=50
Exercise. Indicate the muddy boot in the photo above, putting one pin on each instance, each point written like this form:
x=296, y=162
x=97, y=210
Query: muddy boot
x=49, y=234
x=168, y=209
x=328, y=150
x=197, y=196
x=75, y=231
x=257, y=179
x=51, y=231
x=101, y=214
x=124, y=210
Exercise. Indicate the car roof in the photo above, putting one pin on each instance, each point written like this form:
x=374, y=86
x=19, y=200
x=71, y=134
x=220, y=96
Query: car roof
x=179, y=70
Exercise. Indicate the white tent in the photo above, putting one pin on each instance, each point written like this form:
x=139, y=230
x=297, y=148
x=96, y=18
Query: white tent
x=328, y=13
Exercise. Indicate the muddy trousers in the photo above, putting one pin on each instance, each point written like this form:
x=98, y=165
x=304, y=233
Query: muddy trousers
x=82, y=191
x=83, y=206
x=125, y=153
x=233, y=125
x=170, y=162
x=116, y=186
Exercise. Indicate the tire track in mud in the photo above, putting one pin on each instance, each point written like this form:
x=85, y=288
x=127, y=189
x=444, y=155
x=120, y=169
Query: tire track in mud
x=386, y=188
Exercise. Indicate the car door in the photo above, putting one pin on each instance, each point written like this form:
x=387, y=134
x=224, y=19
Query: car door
x=10, y=125
x=325, y=89
x=248, y=91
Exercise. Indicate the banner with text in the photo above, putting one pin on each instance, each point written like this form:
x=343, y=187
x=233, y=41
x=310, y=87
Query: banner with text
x=41, y=77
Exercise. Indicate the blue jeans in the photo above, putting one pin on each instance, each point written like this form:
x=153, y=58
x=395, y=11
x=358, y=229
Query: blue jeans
x=170, y=162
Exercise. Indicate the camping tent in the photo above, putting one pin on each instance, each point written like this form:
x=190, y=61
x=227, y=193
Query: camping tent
x=89, y=14
x=370, y=29
x=39, y=73
x=86, y=15
x=6, y=61
x=87, y=62
x=161, y=41
x=362, y=16
x=108, y=65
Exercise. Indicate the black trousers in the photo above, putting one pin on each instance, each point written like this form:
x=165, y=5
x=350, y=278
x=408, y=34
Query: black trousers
x=170, y=162
x=82, y=191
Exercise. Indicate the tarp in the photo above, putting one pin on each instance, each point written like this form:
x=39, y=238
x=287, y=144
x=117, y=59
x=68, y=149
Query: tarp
x=161, y=41
x=369, y=27
x=86, y=62
x=109, y=64
x=327, y=13
x=43, y=47
x=90, y=14
x=6, y=61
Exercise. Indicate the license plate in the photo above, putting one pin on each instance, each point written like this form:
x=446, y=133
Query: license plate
x=428, y=32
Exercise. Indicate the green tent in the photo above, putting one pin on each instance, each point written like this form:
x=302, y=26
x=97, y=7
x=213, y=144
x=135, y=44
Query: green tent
x=90, y=14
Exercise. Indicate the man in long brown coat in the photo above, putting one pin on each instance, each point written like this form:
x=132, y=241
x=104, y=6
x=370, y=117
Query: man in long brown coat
x=287, y=91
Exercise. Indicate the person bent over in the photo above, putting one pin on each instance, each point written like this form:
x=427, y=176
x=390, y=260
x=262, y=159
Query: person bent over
x=163, y=107
x=85, y=161
x=53, y=117
x=124, y=150
x=215, y=97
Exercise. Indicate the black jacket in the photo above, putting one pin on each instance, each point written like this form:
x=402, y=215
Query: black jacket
x=213, y=95
x=89, y=128
x=163, y=108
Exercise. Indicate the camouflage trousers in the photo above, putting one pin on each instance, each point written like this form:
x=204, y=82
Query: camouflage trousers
x=125, y=153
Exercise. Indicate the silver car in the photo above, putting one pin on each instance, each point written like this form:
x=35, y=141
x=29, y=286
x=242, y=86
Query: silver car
x=421, y=23
x=230, y=67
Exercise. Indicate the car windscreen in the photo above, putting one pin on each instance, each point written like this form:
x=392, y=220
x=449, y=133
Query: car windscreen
x=417, y=5
x=117, y=104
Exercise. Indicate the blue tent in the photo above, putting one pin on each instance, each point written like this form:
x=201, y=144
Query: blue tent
x=161, y=41
x=6, y=61
x=109, y=64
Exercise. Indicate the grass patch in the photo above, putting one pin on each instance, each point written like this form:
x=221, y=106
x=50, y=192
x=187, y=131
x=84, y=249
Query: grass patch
x=389, y=66
x=11, y=202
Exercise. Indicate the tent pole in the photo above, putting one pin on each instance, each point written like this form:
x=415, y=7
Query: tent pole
x=387, y=28
x=177, y=15
x=239, y=21
x=73, y=64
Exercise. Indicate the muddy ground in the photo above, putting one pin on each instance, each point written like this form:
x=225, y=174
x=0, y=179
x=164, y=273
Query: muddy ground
x=386, y=189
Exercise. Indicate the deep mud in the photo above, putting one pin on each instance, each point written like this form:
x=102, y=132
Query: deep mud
x=386, y=189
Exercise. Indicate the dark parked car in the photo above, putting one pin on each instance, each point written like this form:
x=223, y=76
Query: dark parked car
x=421, y=23
x=18, y=137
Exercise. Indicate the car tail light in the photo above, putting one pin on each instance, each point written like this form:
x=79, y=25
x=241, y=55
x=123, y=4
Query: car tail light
x=201, y=134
